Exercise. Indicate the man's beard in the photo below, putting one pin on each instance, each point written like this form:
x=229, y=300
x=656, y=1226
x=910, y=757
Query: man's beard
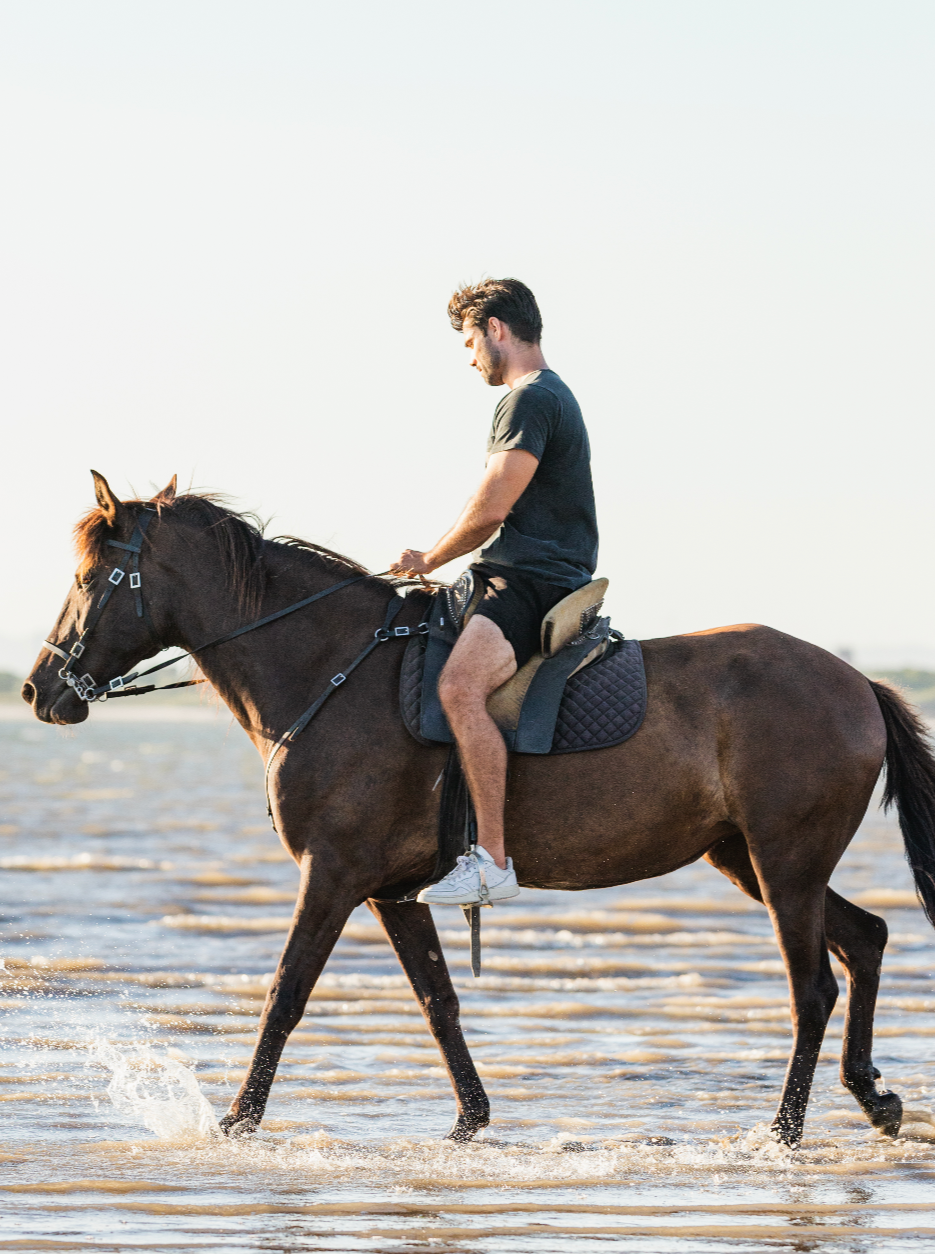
x=491, y=363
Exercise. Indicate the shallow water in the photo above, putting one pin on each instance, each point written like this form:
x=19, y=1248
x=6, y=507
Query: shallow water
x=632, y=1040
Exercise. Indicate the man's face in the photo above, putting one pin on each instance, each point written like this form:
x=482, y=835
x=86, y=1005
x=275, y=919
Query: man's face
x=486, y=355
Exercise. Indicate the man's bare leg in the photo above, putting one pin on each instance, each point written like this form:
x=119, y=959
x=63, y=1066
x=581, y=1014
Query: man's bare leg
x=480, y=662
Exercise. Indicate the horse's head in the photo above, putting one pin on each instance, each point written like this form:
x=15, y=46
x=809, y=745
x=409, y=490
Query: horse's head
x=100, y=630
x=173, y=570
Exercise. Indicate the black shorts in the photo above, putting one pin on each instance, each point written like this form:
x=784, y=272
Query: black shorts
x=517, y=603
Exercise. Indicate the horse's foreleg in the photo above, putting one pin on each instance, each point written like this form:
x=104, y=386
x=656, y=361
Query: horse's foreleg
x=411, y=931
x=858, y=939
x=321, y=911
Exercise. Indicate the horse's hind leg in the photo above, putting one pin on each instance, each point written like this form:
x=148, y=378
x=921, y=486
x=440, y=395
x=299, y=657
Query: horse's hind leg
x=857, y=939
x=797, y=912
x=798, y=915
x=411, y=931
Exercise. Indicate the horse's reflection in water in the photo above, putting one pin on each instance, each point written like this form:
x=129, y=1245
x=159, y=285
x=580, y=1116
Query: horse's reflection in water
x=759, y=752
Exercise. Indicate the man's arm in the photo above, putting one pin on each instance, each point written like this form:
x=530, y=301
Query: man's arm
x=506, y=479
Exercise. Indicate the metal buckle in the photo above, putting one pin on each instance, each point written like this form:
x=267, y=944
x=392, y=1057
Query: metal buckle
x=76, y=649
x=116, y=575
x=84, y=687
x=135, y=579
x=339, y=680
x=400, y=631
x=115, y=684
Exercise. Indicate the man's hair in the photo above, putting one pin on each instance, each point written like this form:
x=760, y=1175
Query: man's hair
x=507, y=299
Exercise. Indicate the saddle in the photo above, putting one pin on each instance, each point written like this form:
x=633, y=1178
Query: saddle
x=584, y=689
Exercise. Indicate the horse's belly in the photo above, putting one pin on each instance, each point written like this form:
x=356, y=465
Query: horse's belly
x=589, y=820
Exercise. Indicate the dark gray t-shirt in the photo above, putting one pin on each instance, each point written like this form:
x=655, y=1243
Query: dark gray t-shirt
x=551, y=531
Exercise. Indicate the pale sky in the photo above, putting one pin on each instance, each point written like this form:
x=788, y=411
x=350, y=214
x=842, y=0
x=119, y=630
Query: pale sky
x=230, y=230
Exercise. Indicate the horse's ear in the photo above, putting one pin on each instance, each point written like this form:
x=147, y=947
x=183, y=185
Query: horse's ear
x=167, y=495
x=111, y=507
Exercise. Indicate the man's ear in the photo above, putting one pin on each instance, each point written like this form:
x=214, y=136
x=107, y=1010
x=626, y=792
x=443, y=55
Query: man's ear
x=167, y=495
x=111, y=508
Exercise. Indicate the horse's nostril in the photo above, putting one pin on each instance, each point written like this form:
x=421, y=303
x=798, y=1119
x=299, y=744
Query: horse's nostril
x=28, y=693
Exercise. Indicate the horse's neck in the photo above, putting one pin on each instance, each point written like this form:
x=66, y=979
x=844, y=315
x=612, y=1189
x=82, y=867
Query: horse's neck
x=267, y=676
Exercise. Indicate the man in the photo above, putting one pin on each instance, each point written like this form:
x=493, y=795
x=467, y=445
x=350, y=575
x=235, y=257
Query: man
x=535, y=510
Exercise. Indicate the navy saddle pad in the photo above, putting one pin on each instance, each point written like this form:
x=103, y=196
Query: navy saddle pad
x=600, y=706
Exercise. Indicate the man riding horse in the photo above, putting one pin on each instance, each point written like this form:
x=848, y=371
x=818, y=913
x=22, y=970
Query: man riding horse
x=535, y=511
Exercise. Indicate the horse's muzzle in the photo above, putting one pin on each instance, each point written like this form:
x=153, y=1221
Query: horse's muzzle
x=59, y=705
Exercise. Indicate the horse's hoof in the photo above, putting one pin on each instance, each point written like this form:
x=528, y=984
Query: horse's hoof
x=785, y=1135
x=887, y=1115
x=464, y=1129
x=237, y=1127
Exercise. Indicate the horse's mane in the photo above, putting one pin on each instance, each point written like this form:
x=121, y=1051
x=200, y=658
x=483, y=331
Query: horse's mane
x=239, y=537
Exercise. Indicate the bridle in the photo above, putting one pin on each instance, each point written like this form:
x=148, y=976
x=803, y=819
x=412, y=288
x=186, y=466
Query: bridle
x=86, y=687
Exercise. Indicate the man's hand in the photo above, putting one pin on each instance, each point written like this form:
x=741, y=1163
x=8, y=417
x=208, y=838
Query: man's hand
x=412, y=562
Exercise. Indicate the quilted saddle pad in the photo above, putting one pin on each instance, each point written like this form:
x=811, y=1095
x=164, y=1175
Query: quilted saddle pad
x=602, y=705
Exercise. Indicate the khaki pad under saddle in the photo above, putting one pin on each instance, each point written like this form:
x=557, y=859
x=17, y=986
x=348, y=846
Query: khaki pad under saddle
x=585, y=689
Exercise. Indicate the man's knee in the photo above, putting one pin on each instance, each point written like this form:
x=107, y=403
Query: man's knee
x=458, y=689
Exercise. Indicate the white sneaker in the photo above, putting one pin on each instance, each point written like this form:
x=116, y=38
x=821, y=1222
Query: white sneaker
x=475, y=879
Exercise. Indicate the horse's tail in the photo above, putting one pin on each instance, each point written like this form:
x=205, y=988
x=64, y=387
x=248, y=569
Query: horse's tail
x=910, y=783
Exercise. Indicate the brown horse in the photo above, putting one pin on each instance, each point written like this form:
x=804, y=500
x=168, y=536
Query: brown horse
x=759, y=752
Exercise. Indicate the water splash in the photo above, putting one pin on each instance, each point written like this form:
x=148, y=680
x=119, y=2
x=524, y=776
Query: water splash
x=918, y=1125
x=157, y=1091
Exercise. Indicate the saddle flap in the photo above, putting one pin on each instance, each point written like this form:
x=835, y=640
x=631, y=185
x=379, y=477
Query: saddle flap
x=444, y=625
x=572, y=616
x=541, y=701
x=505, y=704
